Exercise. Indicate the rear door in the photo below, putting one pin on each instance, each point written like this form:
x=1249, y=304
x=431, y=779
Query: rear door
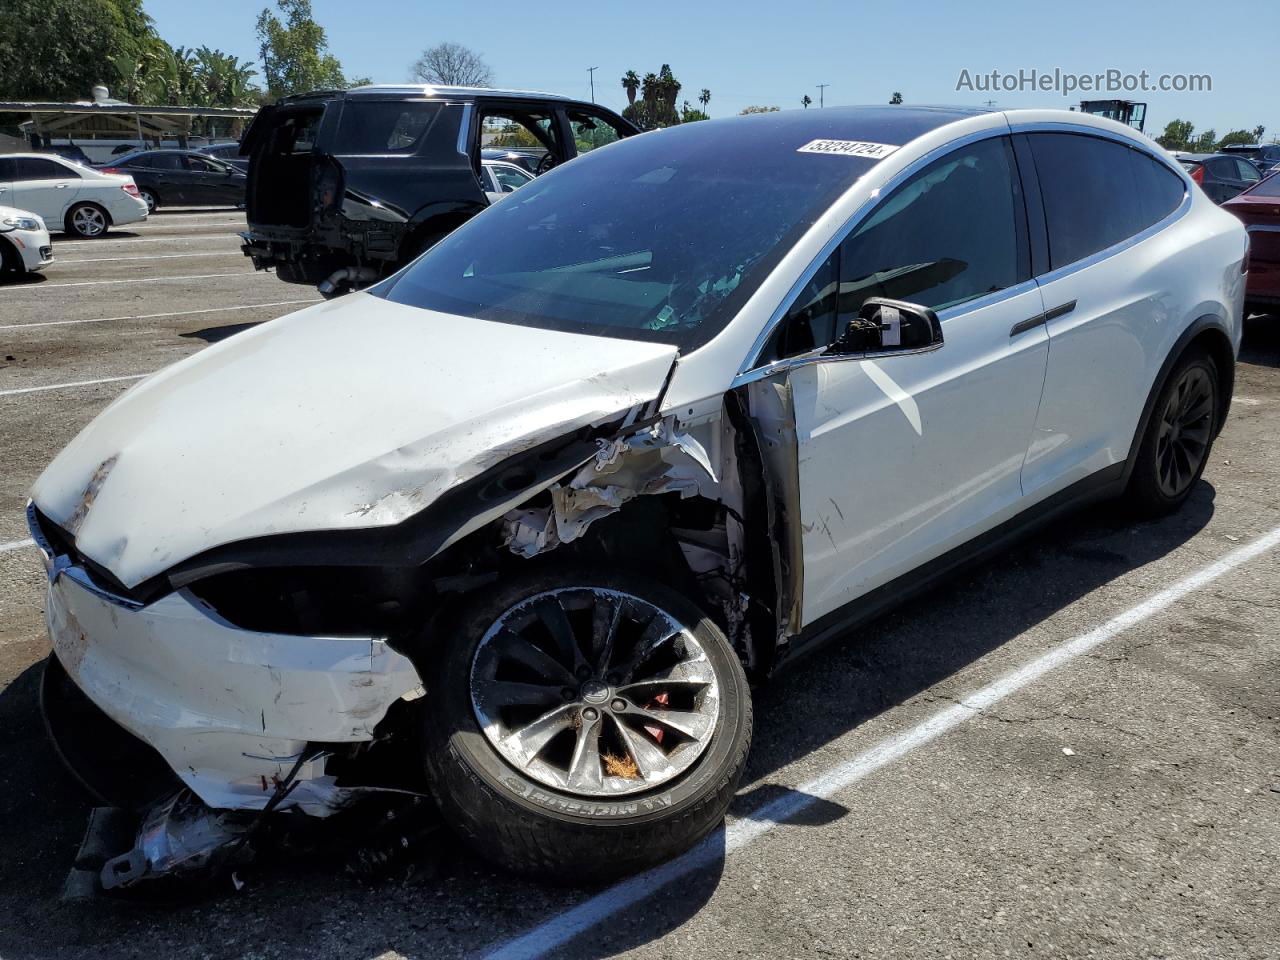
x=164, y=174
x=45, y=187
x=212, y=182
x=1104, y=297
x=590, y=128
x=8, y=170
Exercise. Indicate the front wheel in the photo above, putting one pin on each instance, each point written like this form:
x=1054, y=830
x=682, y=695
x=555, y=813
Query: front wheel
x=1175, y=448
x=584, y=726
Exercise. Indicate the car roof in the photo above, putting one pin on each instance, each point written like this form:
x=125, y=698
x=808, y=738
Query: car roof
x=440, y=90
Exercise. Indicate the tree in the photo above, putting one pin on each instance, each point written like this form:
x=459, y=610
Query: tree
x=804, y=101
x=704, y=98
x=1177, y=135
x=452, y=65
x=1205, y=142
x=1236, y=136
x=690, y=115
x=657, y=104
x=58, y=49
x=631, y=84
x=755, y=109
x=1258, y=131
x=896, y=98
x=295, y=57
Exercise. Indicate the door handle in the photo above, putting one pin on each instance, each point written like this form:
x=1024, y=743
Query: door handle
x=1022, y=326
x=62, y=186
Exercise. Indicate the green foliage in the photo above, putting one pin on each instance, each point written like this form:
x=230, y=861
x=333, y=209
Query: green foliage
x=631, y=84
x=1236, y=136
x=690, y=115
x=756, y=109
x=657, y=104
x=896, y=98
x=58, y=49
x=1205, y=143
x=295, y=57
x=1177, y=135
x=804, y=102
x=1258, y=131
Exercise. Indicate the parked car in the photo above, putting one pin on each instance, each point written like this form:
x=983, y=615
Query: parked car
x=182, y=178
x=24, y=242
x=1259, y=209
x=501, y=178
x=74, y=198
x=1264, y=156
x=347, y=187
x=228, y=153
x=70, y=152
x=534, y=509
x=526, y=160
x=1220, y=176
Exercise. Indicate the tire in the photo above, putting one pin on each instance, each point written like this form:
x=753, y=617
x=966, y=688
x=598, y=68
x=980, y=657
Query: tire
x=513, y=814
x=150, y=198
x=87, y=220
x=1179, y=437
x=10, y=260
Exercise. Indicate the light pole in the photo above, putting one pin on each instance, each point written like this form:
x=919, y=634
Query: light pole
x=821, y=88
x=591, y=73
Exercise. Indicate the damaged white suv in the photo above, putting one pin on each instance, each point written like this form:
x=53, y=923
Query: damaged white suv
x=536, y=507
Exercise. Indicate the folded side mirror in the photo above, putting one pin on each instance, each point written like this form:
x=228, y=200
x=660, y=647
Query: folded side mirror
x=884, y=327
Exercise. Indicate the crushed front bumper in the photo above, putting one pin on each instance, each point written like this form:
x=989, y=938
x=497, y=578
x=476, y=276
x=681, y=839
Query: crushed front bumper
x=229, y=710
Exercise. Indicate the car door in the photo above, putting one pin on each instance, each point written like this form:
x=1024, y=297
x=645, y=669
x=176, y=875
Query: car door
x=213, y=182
x=902, y=456
x=1104, y=297
x=45, y=187
x=590, y=128
x=163, y=173
x=1247, y=175
x=8, y=171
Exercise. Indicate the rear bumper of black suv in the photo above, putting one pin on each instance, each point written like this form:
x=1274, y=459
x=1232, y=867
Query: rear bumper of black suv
x=310, y=255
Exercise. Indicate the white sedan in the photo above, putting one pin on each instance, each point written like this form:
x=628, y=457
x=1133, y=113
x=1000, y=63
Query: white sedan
x=539, y=504
x=24, y=242
x=67, y=195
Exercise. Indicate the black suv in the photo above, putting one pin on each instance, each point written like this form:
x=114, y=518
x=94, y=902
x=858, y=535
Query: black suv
x=345, y=187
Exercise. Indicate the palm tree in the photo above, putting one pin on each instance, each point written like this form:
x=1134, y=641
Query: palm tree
x=704, y=98
x=805, y=101
x=631, y=83
x=1258, y=131
x=649, y=88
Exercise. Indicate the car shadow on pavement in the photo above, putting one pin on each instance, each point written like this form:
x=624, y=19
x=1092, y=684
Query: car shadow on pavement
x=33, y=279
x=214, y=334
x=457, y=906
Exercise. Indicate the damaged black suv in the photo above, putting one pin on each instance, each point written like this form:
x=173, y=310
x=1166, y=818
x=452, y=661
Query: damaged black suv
x=346, y=187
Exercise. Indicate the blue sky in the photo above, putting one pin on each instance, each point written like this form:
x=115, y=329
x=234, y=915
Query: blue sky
x=747, y=52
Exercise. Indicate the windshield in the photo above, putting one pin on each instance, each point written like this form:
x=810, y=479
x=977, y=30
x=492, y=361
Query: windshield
x=658, y=237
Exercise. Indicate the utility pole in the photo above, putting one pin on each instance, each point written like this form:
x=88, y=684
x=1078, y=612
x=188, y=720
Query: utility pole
x=591, y=72
x=821, y=88
x=990, y=103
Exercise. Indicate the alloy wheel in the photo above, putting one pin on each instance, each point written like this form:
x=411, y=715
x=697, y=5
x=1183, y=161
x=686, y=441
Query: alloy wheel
x=88, y=221
x=149, y=200
x=594, y=692
x=1186, y=423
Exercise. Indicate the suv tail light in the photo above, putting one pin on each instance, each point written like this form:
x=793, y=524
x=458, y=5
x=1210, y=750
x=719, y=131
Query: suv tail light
x=130, y=188
x=111, y=170
x=1198, y=173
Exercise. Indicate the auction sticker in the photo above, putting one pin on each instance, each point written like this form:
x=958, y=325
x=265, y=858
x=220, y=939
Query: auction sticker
x=849, y=148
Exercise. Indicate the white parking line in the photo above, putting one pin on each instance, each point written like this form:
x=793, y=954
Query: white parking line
x=548, y=936
x=97, y=283
x=157, y=256
x=75, y=383
x=110, y=240
x=16, y=545
x=157, y=316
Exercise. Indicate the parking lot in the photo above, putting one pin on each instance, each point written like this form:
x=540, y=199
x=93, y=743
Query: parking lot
x=1071, y=751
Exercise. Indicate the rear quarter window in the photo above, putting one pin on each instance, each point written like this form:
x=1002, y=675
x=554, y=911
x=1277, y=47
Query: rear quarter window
x=385, y=126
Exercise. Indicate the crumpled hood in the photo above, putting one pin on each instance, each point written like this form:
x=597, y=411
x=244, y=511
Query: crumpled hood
x=355, y=413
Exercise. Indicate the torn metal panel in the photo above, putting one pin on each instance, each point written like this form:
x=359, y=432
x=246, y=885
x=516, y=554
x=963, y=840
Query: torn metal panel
x=316, y=422
x=661, y=458
x=178, y=836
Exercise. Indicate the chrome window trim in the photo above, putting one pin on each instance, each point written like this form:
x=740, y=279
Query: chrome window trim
x=748, y=371
x=464, y=129
x=1262, y=228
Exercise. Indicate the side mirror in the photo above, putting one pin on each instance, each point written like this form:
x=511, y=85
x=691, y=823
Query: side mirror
x=884, y=327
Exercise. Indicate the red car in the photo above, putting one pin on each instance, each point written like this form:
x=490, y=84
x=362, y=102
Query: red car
x=1259, y=208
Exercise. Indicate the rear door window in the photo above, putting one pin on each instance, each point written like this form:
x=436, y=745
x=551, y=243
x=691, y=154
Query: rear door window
x=590, y=129
x=37, y=168
x=1248, y=172
x=533, y=130
x=1160, y=190
x=384, y=126
x=158, y=161
x=1090, y=192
